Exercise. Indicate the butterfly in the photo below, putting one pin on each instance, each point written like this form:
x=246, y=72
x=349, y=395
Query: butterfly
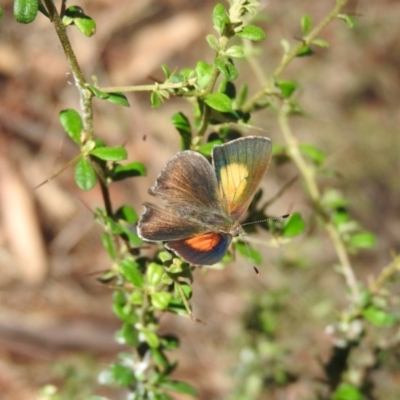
x=202, y=203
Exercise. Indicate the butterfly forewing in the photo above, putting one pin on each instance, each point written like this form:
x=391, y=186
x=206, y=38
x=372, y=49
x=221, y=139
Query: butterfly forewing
x=188, y=187
x=187, y=179
x=240, y=166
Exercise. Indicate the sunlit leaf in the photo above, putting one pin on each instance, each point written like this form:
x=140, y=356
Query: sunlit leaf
x=110, y=153
x=220, y=18
x=71, y=121
x=219, y=101
x=294, y=225
x=85, y=176
x=252, y=32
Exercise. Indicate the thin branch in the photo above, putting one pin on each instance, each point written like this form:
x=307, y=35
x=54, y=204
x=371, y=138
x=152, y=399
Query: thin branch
x=309, y=178
x=268, y=88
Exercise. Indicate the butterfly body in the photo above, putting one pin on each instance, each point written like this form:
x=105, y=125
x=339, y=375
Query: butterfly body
x=203, y=203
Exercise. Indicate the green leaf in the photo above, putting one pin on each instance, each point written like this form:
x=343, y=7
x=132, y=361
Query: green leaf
x=293, y=226
x=165, y=256
x=180, y=387
x=232, y=71
x=97, y=92
x=249, y=253
x=160, y=358
x=221, y=65
x=170, y=342
x=219, y=101
x=220, y=18
x=186, y=288
x=156, y=99
x=182, y=124
x=345, y=391
x=1, y=13
x=136, y=298
x=128, y=335
x=378, y=317
x=74, y=15
x=213, y=42
x=252, y=32
x=110, y=153
x=160, y=300
x=151, y=338
x=242, y=96
x=85, y=176
x=362, y=240
x=121, y=375
x=127, y=213
x=86, y=25
x=313, y=153
x=131, y=170
x=129, y=269
x=25, y=11
x=306, y=24
x=340, y=216
x=154, y=273
x=304, y=51
x=320, y=43
x=333, y=199
x=118, y=98
x=350, y=21
x=235, y=51
x=206, y=149
x=287, y=88
x=108, y=245
x=204, y=73
x=71, y=121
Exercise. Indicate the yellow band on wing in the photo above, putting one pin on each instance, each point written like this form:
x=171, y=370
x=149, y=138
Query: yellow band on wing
x=233, y=182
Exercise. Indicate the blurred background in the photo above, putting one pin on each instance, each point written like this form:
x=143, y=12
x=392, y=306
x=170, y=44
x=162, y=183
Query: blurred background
x=56, y=322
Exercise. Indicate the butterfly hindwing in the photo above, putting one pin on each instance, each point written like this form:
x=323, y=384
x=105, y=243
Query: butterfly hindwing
x=165, y=223
x=205, y=249
x=240, y=166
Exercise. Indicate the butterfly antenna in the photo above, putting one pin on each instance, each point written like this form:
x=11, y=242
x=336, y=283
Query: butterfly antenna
x=241, y=234
x=268, y=219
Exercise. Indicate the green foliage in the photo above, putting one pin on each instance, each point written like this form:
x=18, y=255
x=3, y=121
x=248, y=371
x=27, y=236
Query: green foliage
x=85, y=177
x=252, y=32
x=294, y=225
x=25, y=11
x=74, y=15
x=347, y=392
x=109, y=153
x=71, y=121
x=182, y=124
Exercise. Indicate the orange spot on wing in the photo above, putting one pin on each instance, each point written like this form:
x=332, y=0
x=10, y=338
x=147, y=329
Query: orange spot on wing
x=204, y=242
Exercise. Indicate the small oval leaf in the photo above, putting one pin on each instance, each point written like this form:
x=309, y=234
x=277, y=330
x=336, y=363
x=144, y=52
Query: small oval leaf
x=110, y=153
x=252, y=32
x=219, y=101
x=118, y=98
x=294, y=225
x=220, y=18
x=86, y=25
x=71, y=121
x=306, y=24
x=85, y=176
x=25, y=11
x=120, y=172
x=129, y=269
